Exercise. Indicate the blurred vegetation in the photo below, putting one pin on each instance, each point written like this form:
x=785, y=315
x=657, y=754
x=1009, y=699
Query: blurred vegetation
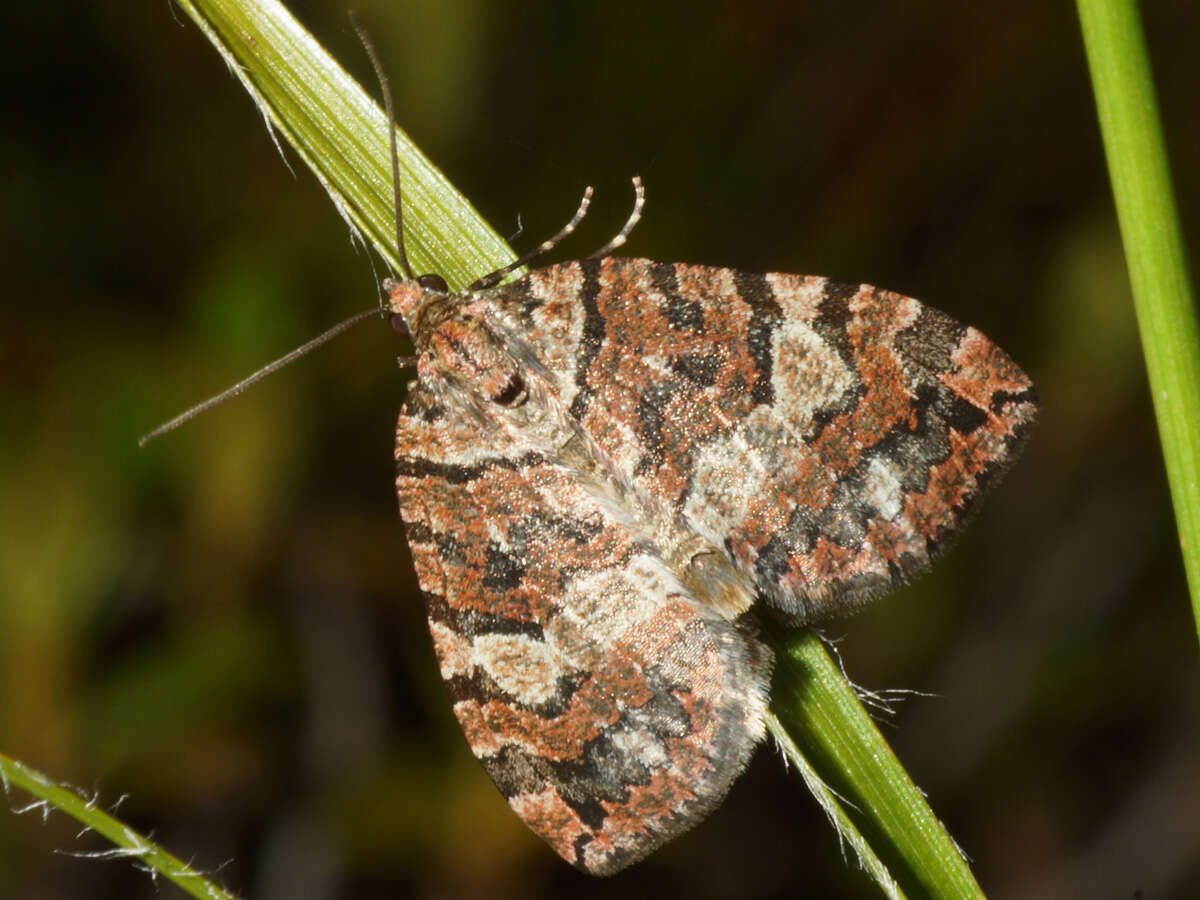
x=224, y=627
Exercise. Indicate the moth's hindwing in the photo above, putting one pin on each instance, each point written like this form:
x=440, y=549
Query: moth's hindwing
x=611, y=708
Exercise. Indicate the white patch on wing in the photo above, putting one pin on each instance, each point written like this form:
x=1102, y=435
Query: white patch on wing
x=642, y=745
x=520, y=665
x=799, y=296
x=599, y=607
x=720, y=496
x=807, y=374
x=884, y=491
x=659, y=365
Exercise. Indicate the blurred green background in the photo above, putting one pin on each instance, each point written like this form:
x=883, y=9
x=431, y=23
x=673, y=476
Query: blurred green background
x=224, y=628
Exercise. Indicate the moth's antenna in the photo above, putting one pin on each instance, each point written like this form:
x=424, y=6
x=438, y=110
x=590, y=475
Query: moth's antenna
x=188, y=415
x=639, y=194
x=639, y=200
x=545, y=246
x=391, y=118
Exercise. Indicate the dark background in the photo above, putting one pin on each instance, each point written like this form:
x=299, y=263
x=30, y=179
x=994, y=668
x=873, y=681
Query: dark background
x=224, y=629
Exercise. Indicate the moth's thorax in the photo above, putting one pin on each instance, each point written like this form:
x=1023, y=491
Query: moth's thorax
x=459, y=355
x=463, y=349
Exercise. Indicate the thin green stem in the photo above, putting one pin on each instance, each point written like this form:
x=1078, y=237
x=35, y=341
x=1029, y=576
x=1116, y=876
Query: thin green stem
x=130, y=844
x=1154, y=251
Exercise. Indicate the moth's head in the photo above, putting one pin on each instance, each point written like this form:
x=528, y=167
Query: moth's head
x=408, y=298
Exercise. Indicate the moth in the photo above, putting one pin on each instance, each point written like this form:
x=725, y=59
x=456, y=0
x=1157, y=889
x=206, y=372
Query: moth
x=608, y=468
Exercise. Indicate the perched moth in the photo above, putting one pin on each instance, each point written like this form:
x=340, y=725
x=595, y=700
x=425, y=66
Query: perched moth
x=606, y=467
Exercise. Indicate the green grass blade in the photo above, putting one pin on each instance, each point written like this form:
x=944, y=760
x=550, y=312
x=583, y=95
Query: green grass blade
x=340, y=134
x=1154, y=251
x=131, y=845
x=824, y=719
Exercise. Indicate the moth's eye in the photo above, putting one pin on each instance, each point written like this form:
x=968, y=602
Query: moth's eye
x=513, y=393
x=435, y=283
x=399, y=325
